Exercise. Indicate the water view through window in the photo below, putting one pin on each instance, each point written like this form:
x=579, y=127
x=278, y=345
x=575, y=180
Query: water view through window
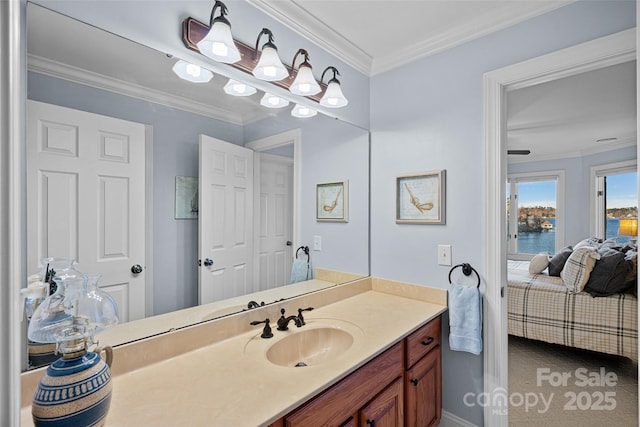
x=537, y=211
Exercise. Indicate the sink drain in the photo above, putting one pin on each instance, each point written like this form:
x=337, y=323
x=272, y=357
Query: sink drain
x=300, y=364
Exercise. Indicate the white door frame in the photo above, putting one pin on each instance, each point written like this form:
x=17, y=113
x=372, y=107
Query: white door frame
x=602, y=52
x=294, y=137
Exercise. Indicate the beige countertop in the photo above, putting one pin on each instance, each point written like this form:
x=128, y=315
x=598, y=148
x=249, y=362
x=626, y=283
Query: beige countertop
x=229, y=382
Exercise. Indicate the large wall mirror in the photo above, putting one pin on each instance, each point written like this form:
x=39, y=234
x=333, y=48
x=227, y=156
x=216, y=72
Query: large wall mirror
x=78, y=70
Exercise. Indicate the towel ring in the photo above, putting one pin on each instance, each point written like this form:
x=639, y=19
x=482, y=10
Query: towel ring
x=466, y=270
x=305, y=249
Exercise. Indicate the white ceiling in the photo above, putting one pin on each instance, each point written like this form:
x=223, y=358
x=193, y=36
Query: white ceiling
x=566, y=115
x=374, y=36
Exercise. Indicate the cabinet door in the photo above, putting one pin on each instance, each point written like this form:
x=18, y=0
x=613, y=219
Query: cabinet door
x=423, y=399
x=385, y=410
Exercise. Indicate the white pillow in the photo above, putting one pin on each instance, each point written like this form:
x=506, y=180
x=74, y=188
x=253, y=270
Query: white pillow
x=589, y=241
x=538, y=263
x=577, y=269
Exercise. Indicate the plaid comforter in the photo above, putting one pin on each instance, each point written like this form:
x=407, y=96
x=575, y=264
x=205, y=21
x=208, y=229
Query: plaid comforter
x=540, y=308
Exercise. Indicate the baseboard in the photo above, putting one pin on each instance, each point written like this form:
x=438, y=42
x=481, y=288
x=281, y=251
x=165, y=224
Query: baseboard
x=450, y=420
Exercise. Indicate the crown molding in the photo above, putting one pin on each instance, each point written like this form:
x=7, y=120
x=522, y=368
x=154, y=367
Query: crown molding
x=299, y=20
x=67, y=72
x=472, y=30
x=302, y=22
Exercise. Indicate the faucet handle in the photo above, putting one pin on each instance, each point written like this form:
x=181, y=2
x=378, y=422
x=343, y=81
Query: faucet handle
x=300, y=310
x=266, y=332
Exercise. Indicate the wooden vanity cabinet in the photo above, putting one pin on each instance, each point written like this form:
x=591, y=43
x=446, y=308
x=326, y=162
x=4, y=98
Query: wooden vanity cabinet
x=400, y=387
x=423, y=378
x=355, y=393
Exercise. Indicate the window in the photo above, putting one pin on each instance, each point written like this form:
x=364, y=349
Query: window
x=534, y=213
x=616, y=198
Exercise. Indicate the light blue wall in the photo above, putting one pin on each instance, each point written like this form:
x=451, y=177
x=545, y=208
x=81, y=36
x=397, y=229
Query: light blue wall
x=436, y=123
x=577, y=186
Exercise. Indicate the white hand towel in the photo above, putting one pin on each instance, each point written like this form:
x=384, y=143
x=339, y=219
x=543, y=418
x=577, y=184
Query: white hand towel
x=465, y=318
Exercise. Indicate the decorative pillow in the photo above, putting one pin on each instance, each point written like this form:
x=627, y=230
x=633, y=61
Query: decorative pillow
x=610, y=243
x=609, y=275
x=589, y=241
x=538, y=263
x=577, y=269
x=556, y=263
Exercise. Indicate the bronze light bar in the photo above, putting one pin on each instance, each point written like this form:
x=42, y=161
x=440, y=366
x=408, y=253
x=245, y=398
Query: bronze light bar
x=193, y=31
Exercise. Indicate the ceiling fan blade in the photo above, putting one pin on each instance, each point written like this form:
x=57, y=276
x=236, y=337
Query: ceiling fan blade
x=519, y=152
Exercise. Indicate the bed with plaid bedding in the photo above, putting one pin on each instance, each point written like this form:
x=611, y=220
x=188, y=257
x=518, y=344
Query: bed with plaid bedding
x=541, y=308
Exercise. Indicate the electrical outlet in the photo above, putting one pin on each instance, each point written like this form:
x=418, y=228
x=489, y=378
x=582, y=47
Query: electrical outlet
x=317, y=243
x=444, y=255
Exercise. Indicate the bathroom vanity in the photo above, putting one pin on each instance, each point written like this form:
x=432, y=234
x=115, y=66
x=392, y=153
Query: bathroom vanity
x=371, y=349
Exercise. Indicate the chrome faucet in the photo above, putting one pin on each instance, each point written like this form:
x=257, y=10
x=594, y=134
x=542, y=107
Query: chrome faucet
x=283, y=322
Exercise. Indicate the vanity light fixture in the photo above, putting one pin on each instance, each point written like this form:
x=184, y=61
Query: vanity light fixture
x=304, y=84
x=218, y=44
x=303, y=112
x=269, y=66
x=236, y=88
x=333, y=96
x=273, y=101
x=194, y=31
x=192, y=72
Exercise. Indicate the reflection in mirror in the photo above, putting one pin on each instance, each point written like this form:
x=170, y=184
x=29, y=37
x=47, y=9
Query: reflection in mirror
x=124, y=103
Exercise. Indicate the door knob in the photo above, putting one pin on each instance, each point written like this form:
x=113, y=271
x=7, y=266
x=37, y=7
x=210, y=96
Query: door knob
x=136, y=269
x=208, y=262
x=289, y=243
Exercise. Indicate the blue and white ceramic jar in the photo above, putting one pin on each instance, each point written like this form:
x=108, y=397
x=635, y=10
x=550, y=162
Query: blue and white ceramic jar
x=75, y=391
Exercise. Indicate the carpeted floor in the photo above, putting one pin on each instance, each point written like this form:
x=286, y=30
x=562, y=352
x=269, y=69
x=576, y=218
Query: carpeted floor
x=552, y=385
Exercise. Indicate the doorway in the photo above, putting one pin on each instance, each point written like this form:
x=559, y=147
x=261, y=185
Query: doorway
x=610, y=50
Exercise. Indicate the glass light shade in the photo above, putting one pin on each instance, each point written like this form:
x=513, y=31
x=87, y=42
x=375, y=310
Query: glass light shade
x=333, y=97
x=236, y=88
x=218, y=44
x=303, y=112
x=269, y=66
x=192, y=72
x=628, y=227
x=78, y=300
x=304, y=84
x=273, y=101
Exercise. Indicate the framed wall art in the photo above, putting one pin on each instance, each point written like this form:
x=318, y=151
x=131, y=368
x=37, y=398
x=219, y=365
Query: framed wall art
x=420, y=198
x=186, y=204
x=332, y=200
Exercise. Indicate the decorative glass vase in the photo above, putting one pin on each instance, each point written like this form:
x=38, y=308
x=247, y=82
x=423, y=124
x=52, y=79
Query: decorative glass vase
x=51, y=272
x=76, y=388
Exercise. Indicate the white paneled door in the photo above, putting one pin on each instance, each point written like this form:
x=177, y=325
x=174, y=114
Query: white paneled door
x=275, y=251
x=86, y=198
x=225, y=220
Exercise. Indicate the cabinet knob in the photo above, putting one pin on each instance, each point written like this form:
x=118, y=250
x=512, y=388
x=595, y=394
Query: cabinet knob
x=428, y=341
x=372, y=423
x=414, y=381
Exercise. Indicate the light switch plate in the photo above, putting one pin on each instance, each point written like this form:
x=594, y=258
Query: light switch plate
x=317, y=243
x=444, y=255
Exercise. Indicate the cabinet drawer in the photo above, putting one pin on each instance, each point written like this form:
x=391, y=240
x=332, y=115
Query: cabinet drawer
x=338, y=403
x=422, y=341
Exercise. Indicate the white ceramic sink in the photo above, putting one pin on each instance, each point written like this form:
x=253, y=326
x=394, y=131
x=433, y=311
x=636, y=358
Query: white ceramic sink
x=310, y=347
x=315, y=343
